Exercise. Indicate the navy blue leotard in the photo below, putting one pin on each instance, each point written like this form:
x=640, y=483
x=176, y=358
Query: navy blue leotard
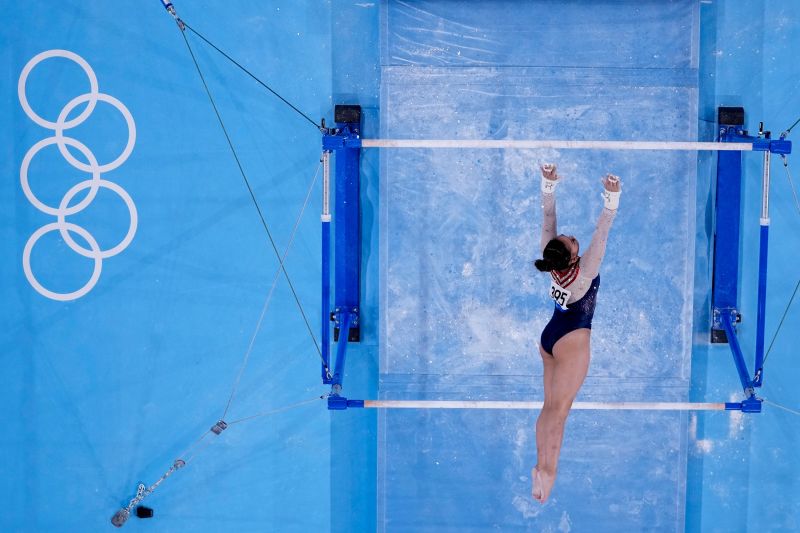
x=578, y=315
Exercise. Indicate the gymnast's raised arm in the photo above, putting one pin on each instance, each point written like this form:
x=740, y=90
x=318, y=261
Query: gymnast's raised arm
x=549, y=181
x=591, y=259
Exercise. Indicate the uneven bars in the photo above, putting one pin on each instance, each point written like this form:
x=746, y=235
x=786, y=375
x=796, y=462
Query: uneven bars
x=601, y=406
x=575, y=145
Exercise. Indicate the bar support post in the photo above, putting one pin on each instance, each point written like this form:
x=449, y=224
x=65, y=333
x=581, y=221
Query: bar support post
x=326, y=268
x=344, y=142
x=762, y=271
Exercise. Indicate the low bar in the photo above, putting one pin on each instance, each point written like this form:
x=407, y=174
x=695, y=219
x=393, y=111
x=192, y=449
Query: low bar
x=601, y=406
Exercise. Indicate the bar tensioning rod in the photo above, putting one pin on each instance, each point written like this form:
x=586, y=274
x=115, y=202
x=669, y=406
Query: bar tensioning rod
x=601, y=406
x=325, y=218
x=567, y=145
x=326, y=187
x=765, y=190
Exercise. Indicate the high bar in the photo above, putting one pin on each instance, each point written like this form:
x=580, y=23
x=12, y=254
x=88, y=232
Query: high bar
x=586, y=406
x=564, y=145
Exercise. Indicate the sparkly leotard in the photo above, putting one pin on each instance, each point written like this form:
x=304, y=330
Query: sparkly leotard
x=583, y=280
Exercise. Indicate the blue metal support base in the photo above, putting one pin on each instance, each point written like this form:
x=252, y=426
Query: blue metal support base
x=750, y=405
x=340, y=403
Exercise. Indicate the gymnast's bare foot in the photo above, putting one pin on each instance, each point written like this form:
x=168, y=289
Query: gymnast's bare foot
x=536, y=489
x=542, y=484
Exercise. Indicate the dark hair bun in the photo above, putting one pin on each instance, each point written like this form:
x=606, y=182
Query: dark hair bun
x=543, y=265
x=555, y=257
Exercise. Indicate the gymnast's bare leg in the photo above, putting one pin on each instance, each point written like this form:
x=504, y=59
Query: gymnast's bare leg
x=564, y=372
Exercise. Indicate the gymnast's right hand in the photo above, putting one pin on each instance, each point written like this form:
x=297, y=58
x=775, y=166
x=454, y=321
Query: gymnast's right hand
x=549, y=178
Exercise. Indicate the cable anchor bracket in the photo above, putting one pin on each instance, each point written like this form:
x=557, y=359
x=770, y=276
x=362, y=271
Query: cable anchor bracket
x=171, y=10
x=219, y=427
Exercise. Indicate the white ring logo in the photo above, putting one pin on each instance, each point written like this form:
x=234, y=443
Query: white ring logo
x=92, y=166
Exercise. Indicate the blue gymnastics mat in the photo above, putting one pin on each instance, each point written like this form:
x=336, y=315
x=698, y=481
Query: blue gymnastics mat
x=462, y=305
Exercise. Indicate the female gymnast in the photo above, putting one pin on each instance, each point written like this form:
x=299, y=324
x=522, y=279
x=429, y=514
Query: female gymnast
x=564, y=344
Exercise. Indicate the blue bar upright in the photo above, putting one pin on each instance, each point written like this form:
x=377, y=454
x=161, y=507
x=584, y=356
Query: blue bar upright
x=344, y=142
x=762, y=304
x=347, y=221
x=725, y=291
x=326, y=301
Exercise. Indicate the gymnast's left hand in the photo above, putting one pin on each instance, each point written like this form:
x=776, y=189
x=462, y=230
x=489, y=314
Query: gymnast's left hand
x=611, y=183
x=612, y=188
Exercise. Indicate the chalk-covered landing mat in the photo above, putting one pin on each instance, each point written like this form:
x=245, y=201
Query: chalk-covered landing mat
x=461, y=304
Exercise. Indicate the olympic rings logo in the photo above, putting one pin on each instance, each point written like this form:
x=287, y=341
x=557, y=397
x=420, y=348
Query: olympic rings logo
x=90, y=166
